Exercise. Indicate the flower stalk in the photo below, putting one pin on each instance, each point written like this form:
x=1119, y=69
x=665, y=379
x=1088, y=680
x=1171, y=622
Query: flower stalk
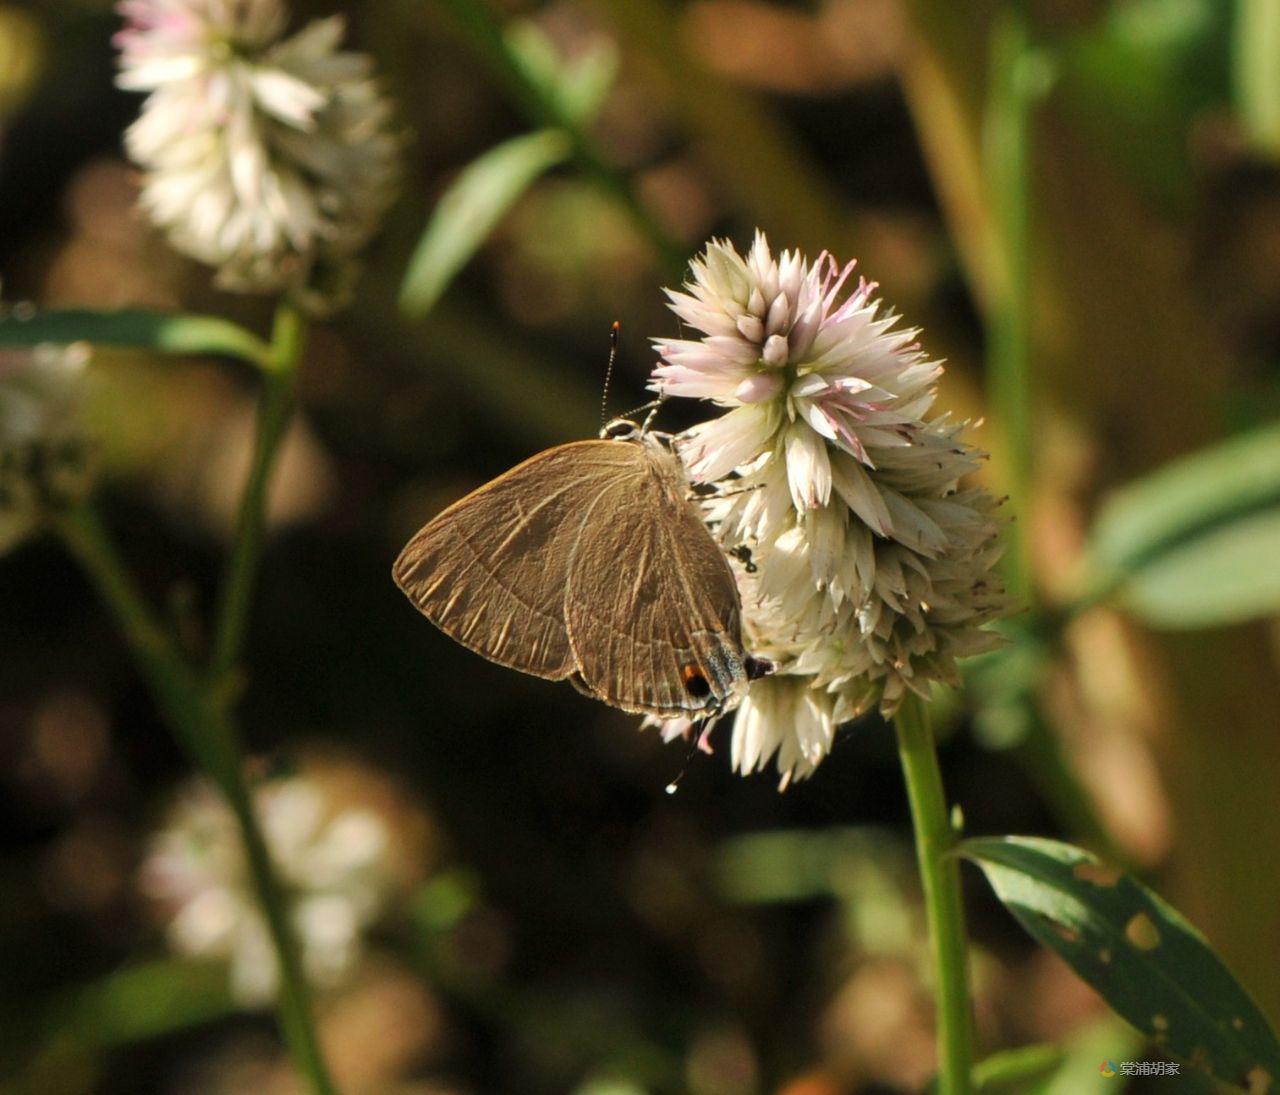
x=269, y=157
x=1008, y=167
x=173, y=684
x=296, y=1019
x=940, y=881
x=280, y=369
x=199, y=715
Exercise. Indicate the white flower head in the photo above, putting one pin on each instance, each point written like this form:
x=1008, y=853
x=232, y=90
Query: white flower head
x=269, y=158
x=336, y=865
x=872, y=565
x=45, y=460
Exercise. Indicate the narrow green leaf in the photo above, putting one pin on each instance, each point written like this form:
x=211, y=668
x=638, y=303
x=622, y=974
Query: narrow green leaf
x=146, y=1001
x=1256, y=72
x=1226, y=575
x=480, y=196
x=1194, y=542
x=1085, y=1052
x=609, y=1085
x=1135, y=78
x=578, y=86
x=587, y=81
x=161, y=331
x=1017, y=1066
x=441, y=904
x=1153, y=968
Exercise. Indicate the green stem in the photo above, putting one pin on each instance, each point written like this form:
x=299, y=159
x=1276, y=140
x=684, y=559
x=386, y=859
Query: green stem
x=296, y=1017
x=199, y=716
x=1017, y=82
x=1008, y=166
x=173, y=684
x=279, y=371
x=940, y=879
x=212, y=740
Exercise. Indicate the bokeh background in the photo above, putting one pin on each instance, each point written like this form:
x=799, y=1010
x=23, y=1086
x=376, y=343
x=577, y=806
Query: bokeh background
x=551, y=916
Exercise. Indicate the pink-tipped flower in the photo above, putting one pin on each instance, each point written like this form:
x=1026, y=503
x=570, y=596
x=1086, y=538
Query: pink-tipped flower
x=269, y=158
x=872, y=568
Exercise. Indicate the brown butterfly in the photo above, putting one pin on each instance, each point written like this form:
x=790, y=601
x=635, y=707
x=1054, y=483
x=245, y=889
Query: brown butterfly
x=589, y=563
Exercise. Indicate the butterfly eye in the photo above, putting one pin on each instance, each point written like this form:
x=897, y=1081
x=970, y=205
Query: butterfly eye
x=620, y=429
x=694, y=682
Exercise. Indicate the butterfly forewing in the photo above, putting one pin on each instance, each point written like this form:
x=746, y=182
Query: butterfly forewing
x=491, y=570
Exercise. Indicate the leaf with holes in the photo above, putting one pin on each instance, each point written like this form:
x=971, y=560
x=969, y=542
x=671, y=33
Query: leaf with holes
x=1154, y=969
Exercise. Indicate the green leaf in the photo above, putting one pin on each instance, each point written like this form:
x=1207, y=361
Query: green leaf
x=442, y=903
x=577, y=87
x=1017, y=1066
x=480, y=196
x=586, y=82
x=1154, y=969
x=1136, y=79
x=65, y=1037
x=1227, y=575
x=1195, y=543
x=146, y=1001
x=161, y=331
x=802, y=864
x=1257, y=75
x=1084, y=1052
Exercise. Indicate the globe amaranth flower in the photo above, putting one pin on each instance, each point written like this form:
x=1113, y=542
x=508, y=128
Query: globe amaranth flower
x=336, y=864
x=45, y=456
x=870, y=563
x=268, y=157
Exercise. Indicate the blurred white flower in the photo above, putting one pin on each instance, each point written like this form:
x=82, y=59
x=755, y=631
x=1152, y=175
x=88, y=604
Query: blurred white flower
x=44, y=456
x=336, y=866
x=871, y=567
x=269, y=158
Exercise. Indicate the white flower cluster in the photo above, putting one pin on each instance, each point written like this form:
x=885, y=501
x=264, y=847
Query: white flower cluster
x=44, y=456
x=269, y=158
x=334, y=865
x=870, y=564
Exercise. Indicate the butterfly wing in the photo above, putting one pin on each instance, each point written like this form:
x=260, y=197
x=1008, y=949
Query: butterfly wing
x=651, y=604
x=491, y=570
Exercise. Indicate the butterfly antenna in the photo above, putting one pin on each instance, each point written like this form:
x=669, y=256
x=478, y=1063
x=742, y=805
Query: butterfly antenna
x=652, y=406
x=608, y=371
